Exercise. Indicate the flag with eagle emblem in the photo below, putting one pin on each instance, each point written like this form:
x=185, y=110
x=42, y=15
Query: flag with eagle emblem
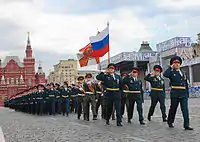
x=85, y=58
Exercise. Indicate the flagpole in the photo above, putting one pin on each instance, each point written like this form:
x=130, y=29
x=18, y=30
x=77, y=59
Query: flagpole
x=108, y=48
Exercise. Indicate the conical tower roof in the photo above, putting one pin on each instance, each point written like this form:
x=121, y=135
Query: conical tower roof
x=145, y=47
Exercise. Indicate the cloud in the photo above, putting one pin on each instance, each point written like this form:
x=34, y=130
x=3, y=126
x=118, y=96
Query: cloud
x=60, y=28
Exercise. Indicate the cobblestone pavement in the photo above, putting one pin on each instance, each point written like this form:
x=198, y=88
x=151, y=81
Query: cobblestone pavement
x=21, y=127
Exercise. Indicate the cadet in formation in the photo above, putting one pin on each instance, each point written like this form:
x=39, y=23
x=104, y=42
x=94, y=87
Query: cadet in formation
x=134, y=94
x=113, y=85
x=157, y=93
x=179, y=92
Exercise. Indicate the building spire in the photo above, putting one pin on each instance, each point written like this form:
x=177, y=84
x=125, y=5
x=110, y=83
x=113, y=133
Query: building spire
x=28, y=47
x=28, y=40
x=40, y=71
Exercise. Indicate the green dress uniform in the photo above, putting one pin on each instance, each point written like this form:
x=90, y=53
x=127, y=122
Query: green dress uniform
x=52, y=93
x=179, y=93
x=89, y=99
x=113, y=85
x=65, y=95
x=134, y=94
x=157, y=93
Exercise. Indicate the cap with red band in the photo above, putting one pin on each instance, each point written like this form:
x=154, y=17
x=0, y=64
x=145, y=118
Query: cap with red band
x=157, y=68
x=176, y=61
x=135, y=70
x=111, y=66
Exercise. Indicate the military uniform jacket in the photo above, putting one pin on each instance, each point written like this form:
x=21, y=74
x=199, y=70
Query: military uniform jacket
x=133, y=85
x=109, y=81
x=52, y=94
x=89, y=88
x=65, y=94
x=177, y=79
x=156, y=83
x=40, y=96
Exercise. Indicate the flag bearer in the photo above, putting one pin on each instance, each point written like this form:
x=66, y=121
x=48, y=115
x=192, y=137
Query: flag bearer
x=134, y=94
x=89, y=98
x=157, y=92
x=179, y=92
x=113, y=84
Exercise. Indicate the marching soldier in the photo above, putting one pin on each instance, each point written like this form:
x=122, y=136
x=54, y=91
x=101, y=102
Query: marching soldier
x=80, y=96
x=113, y=84
x=134, y=94
x=52, y=99
x=179, y=92
x=157, y=92
x=89, y=88
x=40, y=96
x=58, y=98
x=65, y=93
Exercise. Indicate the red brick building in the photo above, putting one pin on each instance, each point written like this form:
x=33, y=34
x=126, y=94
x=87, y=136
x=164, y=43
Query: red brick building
x=16, y=76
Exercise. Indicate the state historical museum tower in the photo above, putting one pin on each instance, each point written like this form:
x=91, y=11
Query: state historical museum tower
x=16, y=76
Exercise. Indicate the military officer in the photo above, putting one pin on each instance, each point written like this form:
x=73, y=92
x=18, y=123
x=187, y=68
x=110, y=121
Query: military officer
x=113, y=84
x=58, y=98
x=52, y=93
x=179, y=92
x=134, y=94
x=65, y=93
x=89, y=99
x=80, y=92
x=157, y=92
x=40, y=96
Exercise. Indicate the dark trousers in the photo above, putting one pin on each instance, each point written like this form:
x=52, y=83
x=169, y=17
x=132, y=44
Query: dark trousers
x=79, y=105
x=184, y=108
x=58, y=106
x=156, y=97
x=123, y=103
x=66, y=106
x=39, y=108
x=132, y=98
x=98, y=104
x=51, y=106
x=113, y=98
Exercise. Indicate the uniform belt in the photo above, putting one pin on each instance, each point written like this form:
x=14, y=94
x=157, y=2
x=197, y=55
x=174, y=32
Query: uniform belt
x=178, y=87
x=65, y=96
x=128, y=91
x=51, y=95
x=81, y=94
x=157, y=89
x=57, y=96
x=89, y=93
x=39, y=98
x=99, y=92
x=112, y=89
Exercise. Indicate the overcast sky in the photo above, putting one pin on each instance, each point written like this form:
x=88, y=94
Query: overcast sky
x=59, y=28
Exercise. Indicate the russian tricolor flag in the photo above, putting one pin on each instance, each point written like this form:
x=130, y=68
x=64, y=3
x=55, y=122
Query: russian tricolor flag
x=100, y=43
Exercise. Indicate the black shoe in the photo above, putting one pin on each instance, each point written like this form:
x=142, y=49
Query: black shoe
x=78, y=117
x=170, y=125
x=149, y=117
x=129, y=120
x=142, y=123
x=94, y=118
x=188, y=128
x=164, y=120
x=119, y=124
x=107, y=122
